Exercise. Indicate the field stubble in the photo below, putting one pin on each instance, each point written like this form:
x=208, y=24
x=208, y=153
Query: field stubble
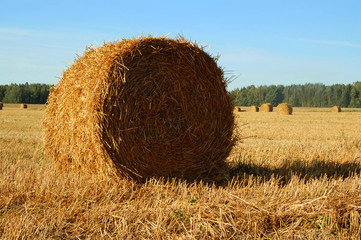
x=294, y=176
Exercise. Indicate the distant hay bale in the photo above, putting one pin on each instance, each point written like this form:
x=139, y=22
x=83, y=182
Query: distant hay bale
x=139, y=108
x=23, y=106
x=237, y=109
x=266, y=107
x=1, y=105
x=335, y=109
x=254, y=108
x=284, y=109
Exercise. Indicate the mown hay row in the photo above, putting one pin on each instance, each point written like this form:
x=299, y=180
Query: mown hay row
x=141, y=107
x=284, y=109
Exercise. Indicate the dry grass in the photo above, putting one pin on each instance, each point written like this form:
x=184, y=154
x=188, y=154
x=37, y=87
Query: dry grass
x=302, y=182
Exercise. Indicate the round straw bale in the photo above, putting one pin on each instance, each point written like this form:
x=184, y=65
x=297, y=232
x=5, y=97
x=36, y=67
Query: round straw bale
x=266, y=107
x=254, y=108
x=335, y=109
x=141, y=107
x=284, y=109
x=237, y=109
x=23, y=106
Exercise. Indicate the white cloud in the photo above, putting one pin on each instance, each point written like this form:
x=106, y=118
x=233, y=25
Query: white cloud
x=11, y=33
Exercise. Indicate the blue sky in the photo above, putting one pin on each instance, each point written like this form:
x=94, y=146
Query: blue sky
x=262, y=42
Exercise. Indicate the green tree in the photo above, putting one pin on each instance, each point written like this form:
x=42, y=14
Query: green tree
x=272, y=97
x=2, y=92
x=24, y=93
x=12, y=94
x=355, y=95
x=345, y=96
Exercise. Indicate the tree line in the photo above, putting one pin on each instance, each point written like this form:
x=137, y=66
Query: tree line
x=301, y=95
x=24, y=93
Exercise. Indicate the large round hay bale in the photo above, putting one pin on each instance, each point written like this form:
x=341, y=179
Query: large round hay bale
x=23, y=106
x=139, y=108
x=254, y=108
x=284, y=109
x=335, y=109
x=237, y=109
x=266, y=107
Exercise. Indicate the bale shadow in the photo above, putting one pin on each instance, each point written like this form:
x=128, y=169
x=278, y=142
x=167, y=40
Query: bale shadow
x=241, y=171
x=304, y=170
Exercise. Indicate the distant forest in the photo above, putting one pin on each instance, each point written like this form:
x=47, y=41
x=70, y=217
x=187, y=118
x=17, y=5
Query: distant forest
x=305, y=95
x=24, y=93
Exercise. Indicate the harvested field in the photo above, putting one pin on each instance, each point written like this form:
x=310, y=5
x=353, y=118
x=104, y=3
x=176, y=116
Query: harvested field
x=293, y=177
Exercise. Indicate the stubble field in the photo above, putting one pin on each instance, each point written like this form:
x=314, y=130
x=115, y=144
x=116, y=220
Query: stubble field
x=295, y=176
